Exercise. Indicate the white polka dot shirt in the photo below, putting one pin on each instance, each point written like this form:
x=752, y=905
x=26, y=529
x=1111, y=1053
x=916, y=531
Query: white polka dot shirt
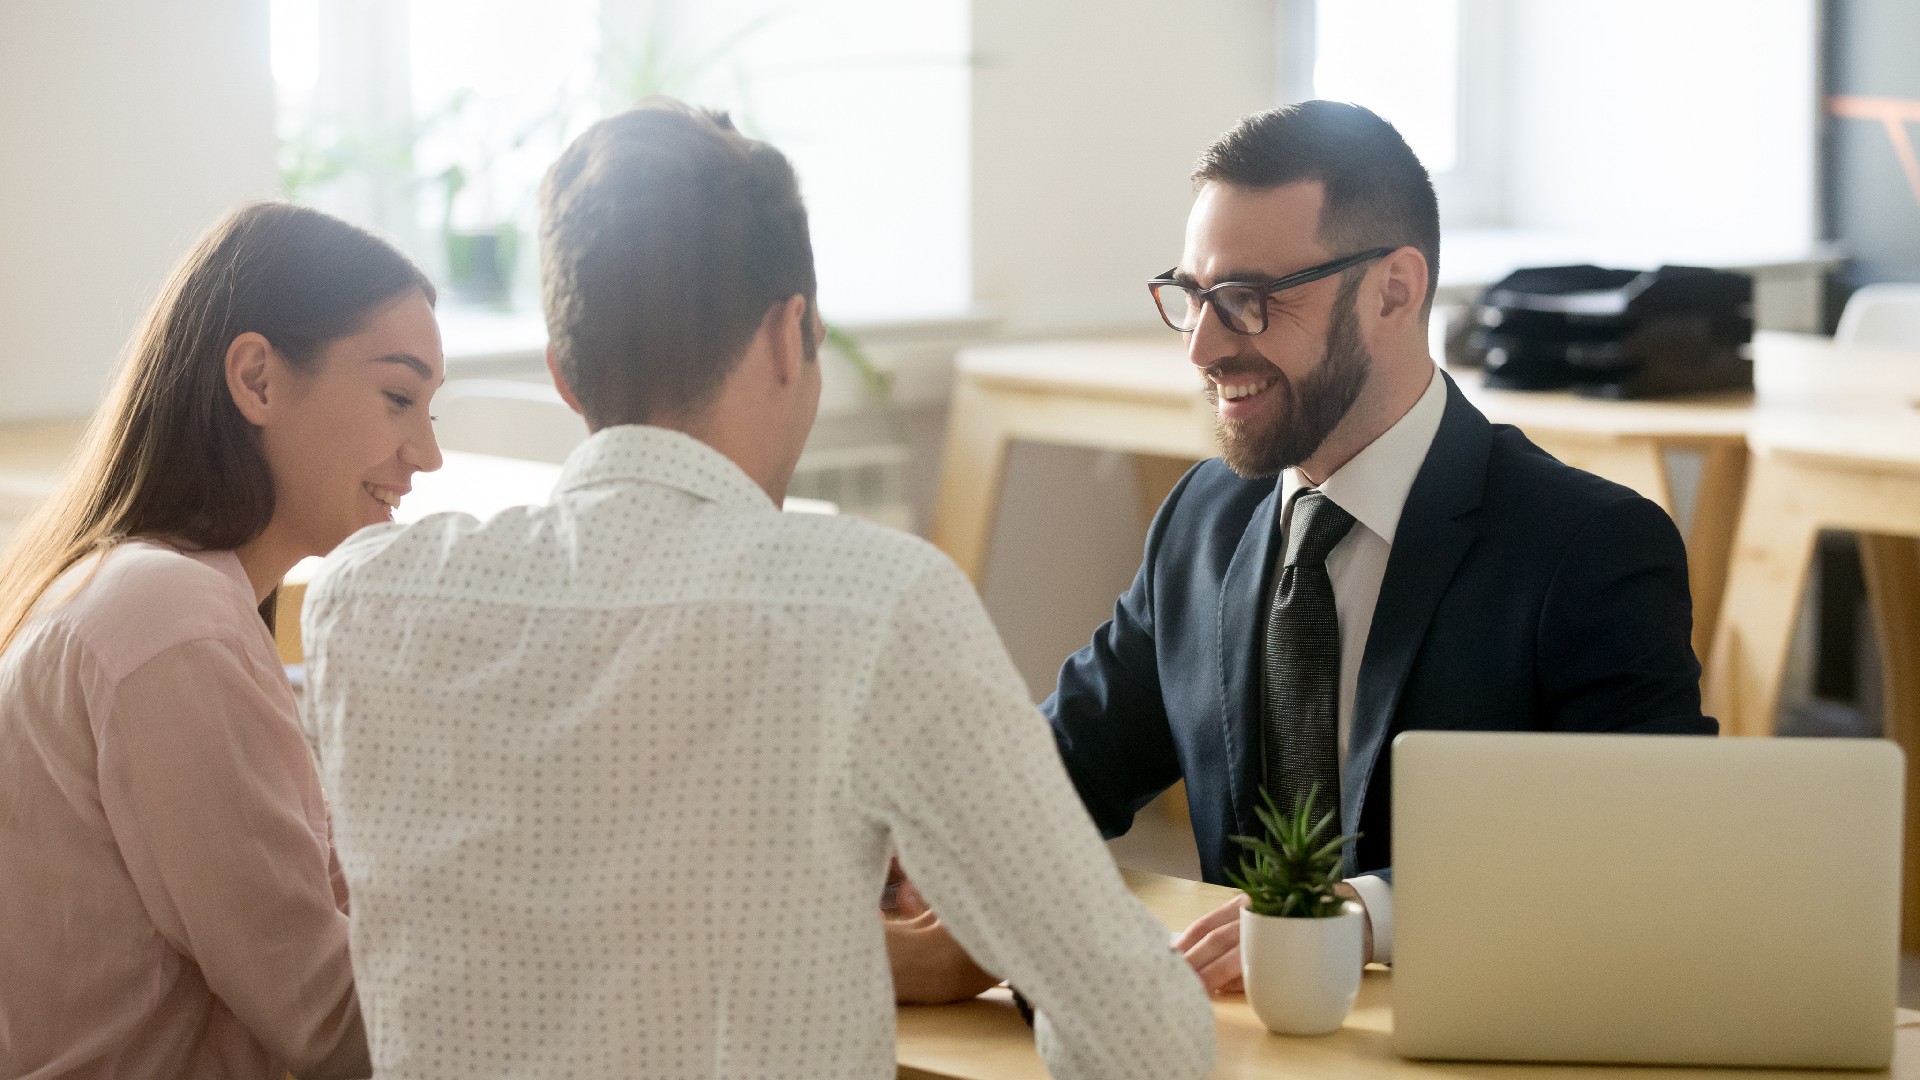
x=615, y=781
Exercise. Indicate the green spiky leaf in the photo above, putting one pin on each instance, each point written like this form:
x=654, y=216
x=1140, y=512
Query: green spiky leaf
x=1291, y=871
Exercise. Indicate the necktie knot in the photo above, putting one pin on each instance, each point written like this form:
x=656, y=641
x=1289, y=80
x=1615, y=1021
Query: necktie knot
x=1316, y=526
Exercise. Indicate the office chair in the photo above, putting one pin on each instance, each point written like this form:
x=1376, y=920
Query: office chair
x=1886, y=315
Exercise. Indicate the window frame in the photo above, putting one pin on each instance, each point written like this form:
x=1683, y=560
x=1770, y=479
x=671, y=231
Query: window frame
x=1472, y=194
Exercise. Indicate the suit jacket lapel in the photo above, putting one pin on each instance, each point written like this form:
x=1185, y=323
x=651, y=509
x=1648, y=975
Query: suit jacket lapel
x=1427, y=547
x=1241, y=619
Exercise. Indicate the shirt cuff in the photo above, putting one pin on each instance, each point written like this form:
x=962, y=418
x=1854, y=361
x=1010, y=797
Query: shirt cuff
x=1377, y=895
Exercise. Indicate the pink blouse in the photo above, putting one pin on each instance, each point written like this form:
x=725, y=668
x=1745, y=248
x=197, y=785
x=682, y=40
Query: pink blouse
x=170, y=903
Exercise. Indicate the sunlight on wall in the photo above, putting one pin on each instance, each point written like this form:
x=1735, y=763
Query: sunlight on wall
x=1400, y=58
x=421, y=118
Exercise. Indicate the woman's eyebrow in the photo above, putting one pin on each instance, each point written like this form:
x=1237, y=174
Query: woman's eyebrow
x=407, y=360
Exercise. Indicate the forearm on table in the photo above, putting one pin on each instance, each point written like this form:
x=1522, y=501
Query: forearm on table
x=929, y=966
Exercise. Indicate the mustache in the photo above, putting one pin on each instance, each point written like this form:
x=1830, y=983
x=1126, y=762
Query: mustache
x=1241, y=365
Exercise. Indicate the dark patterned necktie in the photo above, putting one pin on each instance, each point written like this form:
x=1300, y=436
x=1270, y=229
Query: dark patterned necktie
x=1301, y=665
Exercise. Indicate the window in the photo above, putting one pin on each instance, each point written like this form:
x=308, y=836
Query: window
x=1431, y=67
x=869, y=99
x=1400, y=58
x=498, y=87
x=433, y=121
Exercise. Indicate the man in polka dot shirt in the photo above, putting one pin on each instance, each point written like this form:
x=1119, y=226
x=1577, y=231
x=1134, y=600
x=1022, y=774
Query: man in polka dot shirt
x=616, y=779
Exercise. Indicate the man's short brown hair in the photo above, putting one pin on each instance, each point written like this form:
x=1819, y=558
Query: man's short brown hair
x=665, y=235
x=1377, y=192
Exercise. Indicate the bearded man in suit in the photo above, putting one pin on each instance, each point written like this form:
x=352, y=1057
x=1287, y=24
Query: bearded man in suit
x=1369, y=555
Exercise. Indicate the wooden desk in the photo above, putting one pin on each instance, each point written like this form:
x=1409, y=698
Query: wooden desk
x=1143, y=397
x=1857, y=470
x=985, y=1039
x=1137, y=396
x=32, y=458
x=1835, y=444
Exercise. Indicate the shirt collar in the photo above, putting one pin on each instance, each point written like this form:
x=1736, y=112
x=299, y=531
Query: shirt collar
x=229, y=565
x=640, y=453
x=1373, y=485
x=225, y=560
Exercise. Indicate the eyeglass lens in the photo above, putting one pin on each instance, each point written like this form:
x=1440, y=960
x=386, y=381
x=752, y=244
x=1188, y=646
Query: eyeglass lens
x=1240, y=307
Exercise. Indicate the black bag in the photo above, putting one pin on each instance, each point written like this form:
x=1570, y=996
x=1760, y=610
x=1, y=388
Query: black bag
x=1616, y=333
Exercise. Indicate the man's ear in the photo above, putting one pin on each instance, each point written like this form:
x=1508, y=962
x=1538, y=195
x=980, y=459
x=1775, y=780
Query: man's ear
x=786, y=324
x=249, y=367
x=1403, y=288
x=560, y=383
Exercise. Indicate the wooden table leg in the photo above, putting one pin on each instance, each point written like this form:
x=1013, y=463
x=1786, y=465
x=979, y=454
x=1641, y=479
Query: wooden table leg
x=291, y=597
x=971, y=474
x=1639, y=464
x=1716, y=513
x=1892, y=565
x=1767, y=574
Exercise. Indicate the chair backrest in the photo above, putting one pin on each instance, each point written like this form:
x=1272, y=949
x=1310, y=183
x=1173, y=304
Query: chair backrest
x=507, y=418
x=1886, y=315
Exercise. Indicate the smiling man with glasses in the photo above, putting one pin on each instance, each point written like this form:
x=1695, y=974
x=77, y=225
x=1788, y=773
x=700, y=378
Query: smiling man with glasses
x=1369, y=555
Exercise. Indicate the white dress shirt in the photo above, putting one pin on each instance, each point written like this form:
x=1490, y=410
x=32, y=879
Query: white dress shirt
x=1373, y=487
x=616, y=779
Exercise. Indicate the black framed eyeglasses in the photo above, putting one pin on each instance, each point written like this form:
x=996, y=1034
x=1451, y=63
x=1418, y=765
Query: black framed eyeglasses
x=1240, y=305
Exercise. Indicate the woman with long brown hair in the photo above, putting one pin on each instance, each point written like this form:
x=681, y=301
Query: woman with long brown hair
x=170, y=902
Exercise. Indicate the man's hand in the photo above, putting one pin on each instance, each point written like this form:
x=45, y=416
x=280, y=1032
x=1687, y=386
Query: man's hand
x=1212, y=946
x=929, y=967
x=1212, y=943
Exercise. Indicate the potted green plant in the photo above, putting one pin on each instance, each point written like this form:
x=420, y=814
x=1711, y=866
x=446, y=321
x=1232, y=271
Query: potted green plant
x=493, y=152
x=1301, y=945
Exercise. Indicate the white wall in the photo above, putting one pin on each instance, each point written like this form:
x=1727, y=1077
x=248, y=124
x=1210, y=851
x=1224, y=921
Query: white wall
x=126, y=127
x=1687, y=120
x=1087, y=120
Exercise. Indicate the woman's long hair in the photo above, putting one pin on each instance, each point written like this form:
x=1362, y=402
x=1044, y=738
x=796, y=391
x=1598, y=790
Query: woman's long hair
x=168, y=454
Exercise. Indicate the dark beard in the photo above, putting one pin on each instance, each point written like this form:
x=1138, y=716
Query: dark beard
x=1313, y=409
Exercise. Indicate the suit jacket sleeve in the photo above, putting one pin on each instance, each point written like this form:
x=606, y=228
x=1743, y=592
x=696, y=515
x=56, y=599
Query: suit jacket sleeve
x=1109, y=718
x=1615, y=634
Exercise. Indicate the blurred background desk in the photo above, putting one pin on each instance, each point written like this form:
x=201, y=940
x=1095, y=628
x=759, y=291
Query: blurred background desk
x=1142, y=397
x=1856, y=470
x=1835, y=438
x=1825, y=456
x=984, y=1039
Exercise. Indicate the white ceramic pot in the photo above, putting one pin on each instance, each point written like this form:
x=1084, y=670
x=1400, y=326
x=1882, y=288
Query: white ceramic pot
x=1302, y=974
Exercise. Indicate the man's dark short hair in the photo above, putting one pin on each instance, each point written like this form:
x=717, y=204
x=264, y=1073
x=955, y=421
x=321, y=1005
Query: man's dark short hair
x=665, y=235
x=1377, y=192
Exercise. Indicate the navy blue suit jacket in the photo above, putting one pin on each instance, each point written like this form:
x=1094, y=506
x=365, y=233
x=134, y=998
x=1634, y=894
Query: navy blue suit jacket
x=1521, y=594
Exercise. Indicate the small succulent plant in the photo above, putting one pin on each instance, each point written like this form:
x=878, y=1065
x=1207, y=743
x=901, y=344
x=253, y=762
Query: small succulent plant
x=1291, y=871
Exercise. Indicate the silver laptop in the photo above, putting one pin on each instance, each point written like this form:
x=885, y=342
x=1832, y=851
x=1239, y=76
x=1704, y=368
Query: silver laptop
x=1646, y=899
